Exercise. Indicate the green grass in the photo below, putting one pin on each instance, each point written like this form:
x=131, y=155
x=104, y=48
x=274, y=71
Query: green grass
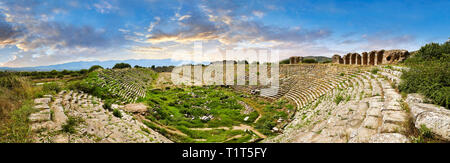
x=17, y=130
x=117, y=113
x=338, y=99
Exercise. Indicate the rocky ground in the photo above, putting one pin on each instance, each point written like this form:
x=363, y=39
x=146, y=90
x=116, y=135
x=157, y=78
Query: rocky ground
x=80, y=118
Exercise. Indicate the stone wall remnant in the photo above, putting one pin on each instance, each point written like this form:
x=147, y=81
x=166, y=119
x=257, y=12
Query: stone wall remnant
x=372, y=58
x=365, y=57
x=337, y=59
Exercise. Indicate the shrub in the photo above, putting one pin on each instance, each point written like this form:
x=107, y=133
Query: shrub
x=51, y=88
x=107, y=105
x=117, y=113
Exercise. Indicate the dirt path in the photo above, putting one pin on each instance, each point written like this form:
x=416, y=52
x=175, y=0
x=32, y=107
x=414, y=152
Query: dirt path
x=246, y=127
x=234, y=137
x=172, y=131
x=207, y=129
x=255, y=108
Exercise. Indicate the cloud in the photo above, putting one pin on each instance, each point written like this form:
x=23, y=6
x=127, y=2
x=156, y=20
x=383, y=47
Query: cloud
x=103, y=7
x=379, y=42
x=45, y=41
x=58, y=36
x=213, y=22
x=36, y=33
x=8, y=33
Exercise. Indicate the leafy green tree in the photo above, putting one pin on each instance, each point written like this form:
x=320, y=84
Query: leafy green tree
x=84, y=71
x=121, y=66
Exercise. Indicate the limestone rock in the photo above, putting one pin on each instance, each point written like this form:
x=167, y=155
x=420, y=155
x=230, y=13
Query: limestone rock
x=42, y=100
x=436, y=118
x=42, y=126
x=415, y=98
x=41, y=106
x=59, y=116
x=439, y=124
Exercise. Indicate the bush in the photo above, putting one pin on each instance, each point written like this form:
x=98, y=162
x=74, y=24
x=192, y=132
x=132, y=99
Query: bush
x=429, y=74
x=121, y=66
x=107, y=105
x=69, y=126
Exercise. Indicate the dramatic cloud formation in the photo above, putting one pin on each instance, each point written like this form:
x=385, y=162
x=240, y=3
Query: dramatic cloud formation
x=43, y=40
x=8, y=33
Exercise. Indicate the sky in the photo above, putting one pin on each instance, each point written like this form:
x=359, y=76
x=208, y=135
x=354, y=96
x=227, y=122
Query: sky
x=38, y=33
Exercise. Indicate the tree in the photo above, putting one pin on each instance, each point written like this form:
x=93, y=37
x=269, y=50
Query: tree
x=65, y=72
x=121, y=66
x=95, y=67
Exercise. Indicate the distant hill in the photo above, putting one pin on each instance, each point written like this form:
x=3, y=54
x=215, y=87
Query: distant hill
x=319, y=59
x=88, y=64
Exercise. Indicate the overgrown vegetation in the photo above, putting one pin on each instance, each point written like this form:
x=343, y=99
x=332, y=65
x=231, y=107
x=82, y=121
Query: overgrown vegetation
x=374, y=70
x=117, y=113
x=48, y=74
x=71, y=123
x=429, y=73
x=15, y=106
x=190, y=107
